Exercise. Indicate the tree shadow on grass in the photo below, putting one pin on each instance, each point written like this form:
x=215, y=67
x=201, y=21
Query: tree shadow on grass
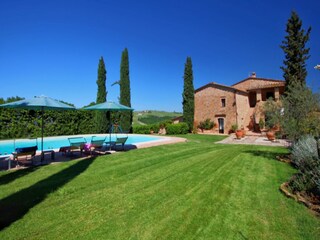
x=15, y=206
x=10, y=177
x=271, y=155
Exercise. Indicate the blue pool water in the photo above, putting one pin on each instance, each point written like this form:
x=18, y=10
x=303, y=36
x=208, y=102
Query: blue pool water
x=8, y=146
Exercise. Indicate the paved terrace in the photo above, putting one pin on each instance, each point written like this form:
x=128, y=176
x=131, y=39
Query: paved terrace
x=255, y=139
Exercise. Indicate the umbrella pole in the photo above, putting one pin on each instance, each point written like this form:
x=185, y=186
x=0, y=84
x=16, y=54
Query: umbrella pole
x=42, y=156
x=109, y=116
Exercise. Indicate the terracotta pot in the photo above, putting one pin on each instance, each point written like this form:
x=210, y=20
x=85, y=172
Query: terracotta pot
x=271, y=135
x=243, y=132
x=239, y=134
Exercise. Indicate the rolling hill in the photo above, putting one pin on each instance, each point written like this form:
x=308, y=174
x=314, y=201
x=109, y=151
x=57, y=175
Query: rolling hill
x=152, y=116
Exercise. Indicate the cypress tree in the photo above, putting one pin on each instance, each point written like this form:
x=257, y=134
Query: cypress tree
x=188, y=94
x=296, y=53
x=101, y=120
x=125, y=94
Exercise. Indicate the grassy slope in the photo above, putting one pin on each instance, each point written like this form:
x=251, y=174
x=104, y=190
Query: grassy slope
x=197, y=190
x=154, y=116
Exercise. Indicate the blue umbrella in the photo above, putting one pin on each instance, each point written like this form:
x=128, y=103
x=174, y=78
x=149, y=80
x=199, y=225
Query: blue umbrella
x=39, y=103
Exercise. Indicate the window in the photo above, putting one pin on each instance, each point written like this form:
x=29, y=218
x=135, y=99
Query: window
x=269, y=95
x=223, y=102
x=252, y=99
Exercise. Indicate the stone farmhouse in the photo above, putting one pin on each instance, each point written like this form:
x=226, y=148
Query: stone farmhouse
x=239, y=104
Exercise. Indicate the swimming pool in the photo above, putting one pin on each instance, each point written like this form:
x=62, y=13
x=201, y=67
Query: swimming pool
x=8, y=146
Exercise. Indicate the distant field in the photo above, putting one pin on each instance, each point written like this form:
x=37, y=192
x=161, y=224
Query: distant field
x=151, y=117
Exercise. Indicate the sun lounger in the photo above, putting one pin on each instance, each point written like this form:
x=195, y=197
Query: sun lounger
x=120, y=141
x=24, y=152
x=96, y=143
x=5, y=161
x=76, y=143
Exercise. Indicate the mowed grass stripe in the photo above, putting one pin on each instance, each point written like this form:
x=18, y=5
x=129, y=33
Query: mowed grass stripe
x=135, y=167
x=148, y=204
x=189, y=211
x=168, y=206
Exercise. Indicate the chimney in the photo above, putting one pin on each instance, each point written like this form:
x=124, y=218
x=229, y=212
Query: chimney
x=253, y=75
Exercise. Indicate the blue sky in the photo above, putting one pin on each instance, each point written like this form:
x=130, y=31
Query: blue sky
x=52, y=48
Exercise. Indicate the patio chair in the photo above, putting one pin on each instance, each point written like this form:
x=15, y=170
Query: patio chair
x=24, y=152
x=76, y=143
x=96, y=143
x=120, y=141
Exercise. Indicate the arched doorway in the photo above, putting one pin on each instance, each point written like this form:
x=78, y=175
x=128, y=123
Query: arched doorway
x=221, y=125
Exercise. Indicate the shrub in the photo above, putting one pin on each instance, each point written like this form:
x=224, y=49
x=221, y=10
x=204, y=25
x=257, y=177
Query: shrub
x=261, y=123
x=180, y=128
x=145, y=129
x=305, y=148
x=142, y=129
x=206, y=125
x=155, y=127
x=234, y=127
x=272, y=111
x=305, y=158
x=297, y=112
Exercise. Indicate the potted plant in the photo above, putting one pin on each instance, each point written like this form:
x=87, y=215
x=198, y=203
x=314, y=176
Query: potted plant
x=239, y=134
x=234, y=128
x=271, y=135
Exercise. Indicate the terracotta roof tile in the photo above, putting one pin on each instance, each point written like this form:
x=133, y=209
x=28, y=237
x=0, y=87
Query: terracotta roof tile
x=213, y=84
x=267, y=85
x=258, y=83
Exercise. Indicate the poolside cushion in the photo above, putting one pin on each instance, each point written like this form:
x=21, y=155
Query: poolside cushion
x=26, y=150
x=93, y=146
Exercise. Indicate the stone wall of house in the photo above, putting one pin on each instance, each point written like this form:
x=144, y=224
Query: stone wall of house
x=237, y=109
x=208, y=104
x=244, y=112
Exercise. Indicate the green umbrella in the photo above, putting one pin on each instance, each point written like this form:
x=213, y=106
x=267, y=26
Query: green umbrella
x=109, y=107
x=39, y=103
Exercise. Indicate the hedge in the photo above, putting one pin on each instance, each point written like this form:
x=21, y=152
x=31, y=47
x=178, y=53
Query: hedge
x=179, y=128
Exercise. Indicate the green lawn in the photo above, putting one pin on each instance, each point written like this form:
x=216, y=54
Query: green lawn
x=193, y=190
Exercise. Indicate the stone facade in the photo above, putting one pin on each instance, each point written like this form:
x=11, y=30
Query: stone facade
x=237, y=104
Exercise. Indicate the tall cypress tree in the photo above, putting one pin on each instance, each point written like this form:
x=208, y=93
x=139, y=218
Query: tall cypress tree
x=188, y=94
x=296, y=53
x=125, y=94
x=101, y=120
